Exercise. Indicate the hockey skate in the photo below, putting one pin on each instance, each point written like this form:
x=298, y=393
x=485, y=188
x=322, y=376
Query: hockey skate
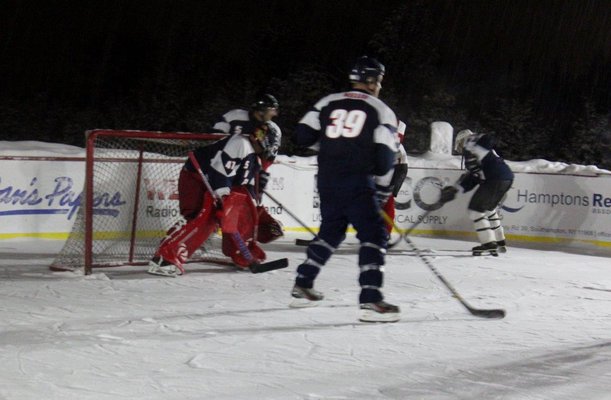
x=304, y=297
x=159, y=266
x=486, y=248
x=502, y=246
x=380, y=311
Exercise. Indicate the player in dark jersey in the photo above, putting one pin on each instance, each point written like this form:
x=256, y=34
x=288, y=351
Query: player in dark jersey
x=230, y=166
x=263, y=109
x=493, y=177
x=239, y=120
x=354, y=134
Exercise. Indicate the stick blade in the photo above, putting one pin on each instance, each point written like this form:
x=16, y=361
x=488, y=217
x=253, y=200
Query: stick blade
x=303, y=242
x=493, y=313
x=269, y=266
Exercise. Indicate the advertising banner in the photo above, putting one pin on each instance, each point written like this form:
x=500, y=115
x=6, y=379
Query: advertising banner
x=40, y=198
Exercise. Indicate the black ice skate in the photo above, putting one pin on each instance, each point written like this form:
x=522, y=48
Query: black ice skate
x=304, y=297
x=380, y=311
x=502, y=247
x=486, y=248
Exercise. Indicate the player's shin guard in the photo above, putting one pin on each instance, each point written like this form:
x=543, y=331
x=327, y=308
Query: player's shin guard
x=482, y=226
x=371, y=259
x=496, y=227
x=318, y=254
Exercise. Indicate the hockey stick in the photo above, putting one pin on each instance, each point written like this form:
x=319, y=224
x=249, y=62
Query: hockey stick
x=299, y=242
x=402, y=233
x=255, y=267
x=478, y=312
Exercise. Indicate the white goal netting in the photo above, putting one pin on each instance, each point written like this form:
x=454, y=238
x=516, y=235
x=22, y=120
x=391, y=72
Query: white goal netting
x=130, y=199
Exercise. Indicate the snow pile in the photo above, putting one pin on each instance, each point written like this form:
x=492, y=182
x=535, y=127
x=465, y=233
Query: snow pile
x=32, y=148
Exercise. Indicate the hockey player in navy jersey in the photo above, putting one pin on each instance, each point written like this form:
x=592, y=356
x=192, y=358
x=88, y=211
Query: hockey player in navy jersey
x=493, y=177
x=354, y=134
x=263, y=109
x=230, y=166
x=239, y=120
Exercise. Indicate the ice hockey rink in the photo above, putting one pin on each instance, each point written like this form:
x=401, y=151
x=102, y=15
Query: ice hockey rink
x=220, y=333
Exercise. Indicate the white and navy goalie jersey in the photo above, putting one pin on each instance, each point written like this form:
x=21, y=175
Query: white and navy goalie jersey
x=238, y=121
x=354, y=135
x=482, y=162
x=228, y=162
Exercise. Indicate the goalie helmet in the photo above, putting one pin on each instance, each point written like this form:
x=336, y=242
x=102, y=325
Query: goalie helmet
x=265, y=102
x=367, y=70
x=461, y=139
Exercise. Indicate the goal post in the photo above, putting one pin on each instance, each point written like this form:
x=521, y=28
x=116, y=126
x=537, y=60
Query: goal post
x=130, y=199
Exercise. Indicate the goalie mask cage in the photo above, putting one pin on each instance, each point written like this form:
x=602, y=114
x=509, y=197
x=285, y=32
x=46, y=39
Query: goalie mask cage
x=130, y=199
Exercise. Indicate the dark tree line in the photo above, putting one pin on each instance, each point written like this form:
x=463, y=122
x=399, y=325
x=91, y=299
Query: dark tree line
x=535, y=74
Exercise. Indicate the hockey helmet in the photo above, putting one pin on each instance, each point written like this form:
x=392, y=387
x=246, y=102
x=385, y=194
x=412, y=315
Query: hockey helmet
x=367, y=70
x=461, y=138
x=264, y=102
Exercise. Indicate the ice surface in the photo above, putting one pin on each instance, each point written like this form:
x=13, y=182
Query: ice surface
x=218, y=333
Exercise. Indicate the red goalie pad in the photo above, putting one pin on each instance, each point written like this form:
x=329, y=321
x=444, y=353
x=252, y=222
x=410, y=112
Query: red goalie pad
x=239, y=215
x=184, y=238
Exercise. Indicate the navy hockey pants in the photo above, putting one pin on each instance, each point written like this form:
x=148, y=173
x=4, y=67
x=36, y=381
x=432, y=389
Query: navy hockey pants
x=339, y=208
x=489, y=195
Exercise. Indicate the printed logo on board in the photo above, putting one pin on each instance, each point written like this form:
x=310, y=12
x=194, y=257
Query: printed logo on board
x=519, y=198
x=425, y=193
x=62, y=199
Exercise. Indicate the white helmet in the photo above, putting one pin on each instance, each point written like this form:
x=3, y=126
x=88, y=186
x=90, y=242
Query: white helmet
x=461, y=138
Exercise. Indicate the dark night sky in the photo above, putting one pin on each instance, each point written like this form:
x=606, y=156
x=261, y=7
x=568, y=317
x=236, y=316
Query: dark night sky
x=89, y=54
x=75, y=47
x=80, y=49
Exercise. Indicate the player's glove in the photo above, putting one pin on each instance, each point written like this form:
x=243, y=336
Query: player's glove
x=263, y=179
x=448, y=193
x=382, y=196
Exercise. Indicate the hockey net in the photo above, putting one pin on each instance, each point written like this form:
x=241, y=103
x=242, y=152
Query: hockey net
x=130, y=199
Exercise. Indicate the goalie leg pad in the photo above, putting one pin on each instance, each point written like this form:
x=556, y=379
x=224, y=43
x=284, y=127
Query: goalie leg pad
x=239, y=217
x=181, y=242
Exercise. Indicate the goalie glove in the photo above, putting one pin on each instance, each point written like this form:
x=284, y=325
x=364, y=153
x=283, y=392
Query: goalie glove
x=448, y=193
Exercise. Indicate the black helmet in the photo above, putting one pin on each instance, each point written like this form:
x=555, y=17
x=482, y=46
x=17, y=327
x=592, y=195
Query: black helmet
x=366, y=70
x=264, y=102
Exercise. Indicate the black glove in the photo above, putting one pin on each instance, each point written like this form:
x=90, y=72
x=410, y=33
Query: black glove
x=382, y=196
x=398, y=176
x=448, y=193
x=263, y=179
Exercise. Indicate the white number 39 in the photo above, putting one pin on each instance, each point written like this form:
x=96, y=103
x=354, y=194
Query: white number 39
x=345, y=123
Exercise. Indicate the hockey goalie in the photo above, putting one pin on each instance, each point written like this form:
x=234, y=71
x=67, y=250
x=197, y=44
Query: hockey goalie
x=216, y=190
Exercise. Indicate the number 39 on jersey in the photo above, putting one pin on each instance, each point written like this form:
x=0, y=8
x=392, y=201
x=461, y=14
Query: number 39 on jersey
x=345, y=123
